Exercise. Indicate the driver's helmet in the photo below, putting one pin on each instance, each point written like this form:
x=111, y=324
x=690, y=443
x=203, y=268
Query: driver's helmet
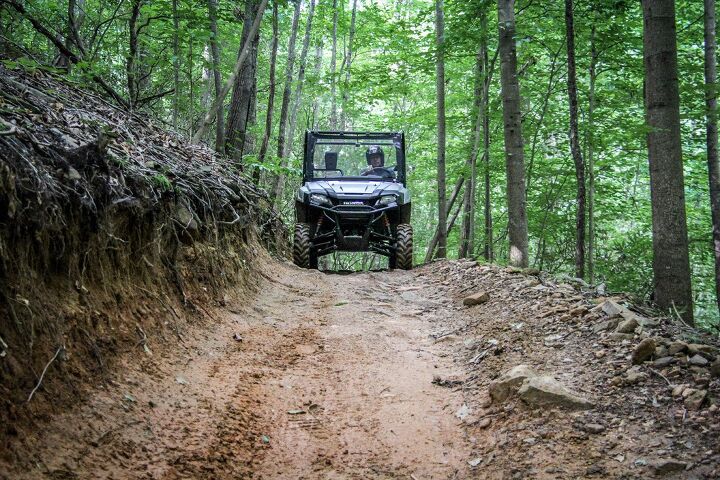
x=373, y=152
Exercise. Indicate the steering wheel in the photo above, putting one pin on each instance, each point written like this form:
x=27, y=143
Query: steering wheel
x=384, y=172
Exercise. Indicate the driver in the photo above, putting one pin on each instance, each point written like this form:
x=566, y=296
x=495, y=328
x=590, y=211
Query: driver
x=376, y=163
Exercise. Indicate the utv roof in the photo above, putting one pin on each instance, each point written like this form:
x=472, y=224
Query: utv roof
x=332, y=133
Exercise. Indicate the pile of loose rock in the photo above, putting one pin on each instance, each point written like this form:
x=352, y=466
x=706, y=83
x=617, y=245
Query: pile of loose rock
x=593, y=384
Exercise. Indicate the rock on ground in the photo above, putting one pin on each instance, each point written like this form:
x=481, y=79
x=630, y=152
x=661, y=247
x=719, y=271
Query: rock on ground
x=545, y=391
x=643, y=351
x=510, y=382
x=476, y=299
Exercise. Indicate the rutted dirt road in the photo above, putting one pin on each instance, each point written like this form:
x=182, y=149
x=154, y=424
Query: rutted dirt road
x=386, y=375
x=321, y=376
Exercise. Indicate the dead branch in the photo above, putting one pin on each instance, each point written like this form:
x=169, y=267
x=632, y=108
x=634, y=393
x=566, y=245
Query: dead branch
x=42, y=375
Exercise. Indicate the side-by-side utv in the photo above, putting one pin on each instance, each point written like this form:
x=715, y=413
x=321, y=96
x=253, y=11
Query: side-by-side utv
x=353, y=198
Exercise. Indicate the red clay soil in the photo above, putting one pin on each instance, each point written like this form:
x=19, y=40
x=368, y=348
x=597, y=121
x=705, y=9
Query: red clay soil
x=376, y=375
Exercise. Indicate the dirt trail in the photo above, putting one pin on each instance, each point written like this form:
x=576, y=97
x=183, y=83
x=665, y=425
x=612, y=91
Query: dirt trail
x=321, y=376
x=386, y=375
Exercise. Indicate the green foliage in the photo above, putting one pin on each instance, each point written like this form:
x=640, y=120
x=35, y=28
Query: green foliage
x=162, y=182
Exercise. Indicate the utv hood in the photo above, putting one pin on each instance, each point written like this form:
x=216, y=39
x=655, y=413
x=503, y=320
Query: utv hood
x=343, y=189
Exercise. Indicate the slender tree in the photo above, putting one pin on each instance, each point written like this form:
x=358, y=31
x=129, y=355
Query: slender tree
x=285, y=106
x=671, y=264
x=244, y=52
x=280, y=179
x=315, y=123
x=271, y=94
x=348, y=64
x=712, y=134
x=131, y=61
x=176, y=64
x=575, y=142
x=514, y=156
x=333, y=70
x=590, y=145
x=468, y=218
x=217, y=76
x=430, y=253
x=488, y=251
x=243, y=111
x=440, y=88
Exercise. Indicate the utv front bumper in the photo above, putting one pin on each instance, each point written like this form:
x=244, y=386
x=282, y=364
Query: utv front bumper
x=352, y=226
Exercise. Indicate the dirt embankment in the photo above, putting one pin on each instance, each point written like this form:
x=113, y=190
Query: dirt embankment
x=389, y=375
x=114, y=235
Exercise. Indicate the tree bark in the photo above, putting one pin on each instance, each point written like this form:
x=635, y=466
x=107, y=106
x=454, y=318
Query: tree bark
x=671, y=264
x=590, y=159
x=271, y=94
x=176, y=64
x=489, y=68
x=575, y=143
x=468, y=218
x=130, y=66
x=333, y=72
x=451, y=202
x=316, y=101
x=285, y=107
x=440, y=88
x=217, y=76
x=514, y=155
x=217, y=106
x=243, y=105
x=280, y=180
x=348, y=64
x=712, y=134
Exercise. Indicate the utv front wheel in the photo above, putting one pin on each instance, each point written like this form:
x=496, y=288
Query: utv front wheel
x=302, y=247
x=403, y=248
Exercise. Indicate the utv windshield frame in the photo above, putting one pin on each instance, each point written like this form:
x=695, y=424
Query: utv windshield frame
x=312, y=139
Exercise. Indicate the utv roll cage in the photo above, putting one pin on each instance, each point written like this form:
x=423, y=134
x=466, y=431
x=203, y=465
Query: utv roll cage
x=396, y=139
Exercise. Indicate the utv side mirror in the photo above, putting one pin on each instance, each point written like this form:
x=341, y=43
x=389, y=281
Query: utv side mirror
x=331, y=159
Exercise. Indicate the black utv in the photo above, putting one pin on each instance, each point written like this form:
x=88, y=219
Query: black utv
x=353, y=198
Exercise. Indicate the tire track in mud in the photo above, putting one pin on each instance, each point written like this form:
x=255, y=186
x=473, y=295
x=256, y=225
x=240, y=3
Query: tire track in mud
x=331, y=379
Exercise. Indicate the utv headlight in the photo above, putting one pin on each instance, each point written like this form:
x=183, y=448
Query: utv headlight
x=319, y=199
x=386, y=200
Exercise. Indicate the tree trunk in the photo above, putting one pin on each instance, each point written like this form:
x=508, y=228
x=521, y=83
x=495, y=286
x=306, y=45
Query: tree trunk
x=285, y=107
x=217, y=76
x=130, y=66
x=348, y=64
x=489, y=69
x=271, y=94
x=467, y=227
x=575, y=143
x=590, y=160
x=712, y=134
x=514, y=156
x=280, y=180
x=316, y=102
x=176, y=64
x=671, y=265
x=440, y=88
x=217, y=106
x=243, y=111
x=333, y=67
x=434, y=240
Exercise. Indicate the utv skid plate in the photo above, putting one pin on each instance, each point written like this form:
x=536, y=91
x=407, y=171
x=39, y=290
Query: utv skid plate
x=363, y=219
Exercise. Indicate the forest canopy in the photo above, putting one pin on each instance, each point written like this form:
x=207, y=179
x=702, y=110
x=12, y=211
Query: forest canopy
x=374, y=65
